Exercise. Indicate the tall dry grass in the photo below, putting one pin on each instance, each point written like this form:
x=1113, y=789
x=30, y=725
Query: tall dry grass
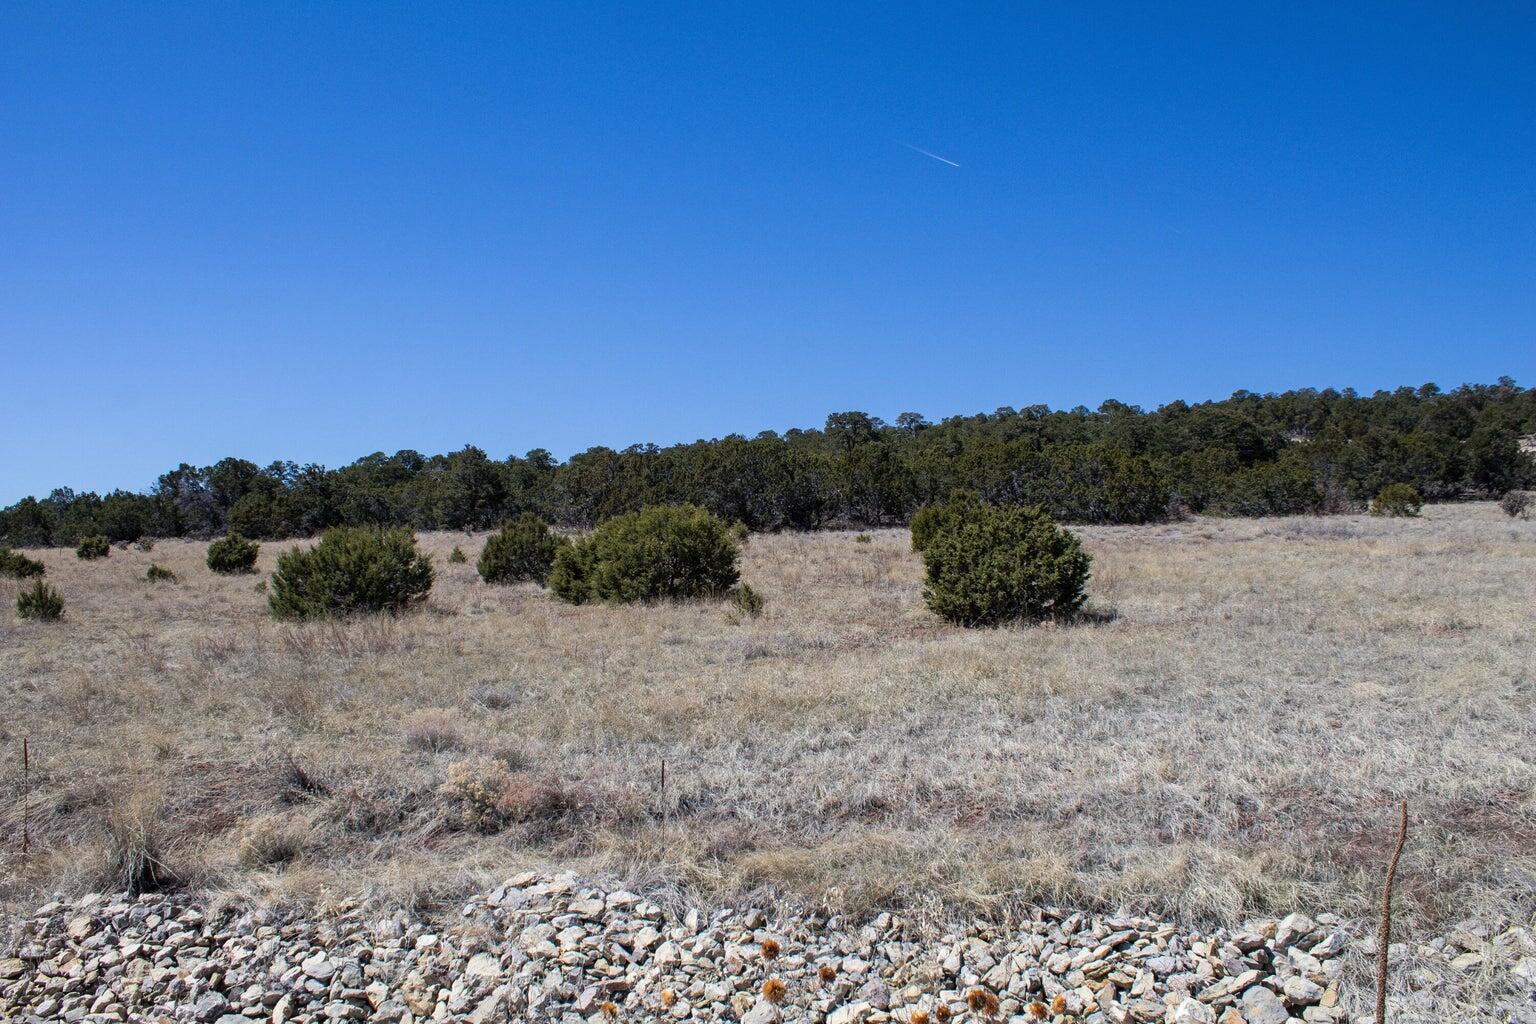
x=1232, y=740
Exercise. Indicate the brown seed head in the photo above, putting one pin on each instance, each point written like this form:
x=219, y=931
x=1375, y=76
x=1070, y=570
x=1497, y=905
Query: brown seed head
x=1038, y=1010
x=982, y=1002
x=773, y=990
x=919, y=1017
x=826, y=972
x=770, y=949
x=1059, y=1004
x=668, y=997
x=610, y=1010
x=942, y=1013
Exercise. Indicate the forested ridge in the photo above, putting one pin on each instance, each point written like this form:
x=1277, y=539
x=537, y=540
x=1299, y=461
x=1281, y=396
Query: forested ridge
x=1305, y=451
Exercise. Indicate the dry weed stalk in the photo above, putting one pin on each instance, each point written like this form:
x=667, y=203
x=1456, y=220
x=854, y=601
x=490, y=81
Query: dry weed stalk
x=26, y=798
x=1384, y=937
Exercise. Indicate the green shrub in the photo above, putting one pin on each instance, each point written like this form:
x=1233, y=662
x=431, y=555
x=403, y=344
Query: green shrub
x=1397, y=500
x=18, y=565
x=351, y=569
x=923, y=524
x=233, y=555
x=457, y=556
x=570, y=578
x=94, y=546
x=927, y=521
x=40, y=601
x=523, y=550
x=157, y=574
x=1516, y=504
x=863, y=538
x=746, y=602
x=740, y=531
x=993, y=564
x=667, y=551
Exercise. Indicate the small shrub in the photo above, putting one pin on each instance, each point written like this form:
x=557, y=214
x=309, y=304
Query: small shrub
x=863, y=538
x=434, y=730
x=740, y=531
x=494, y=696
x=351, y=569
x=40, y=601
x=746, y=603
x=488, y=795
x=1397, y=500
x=157, y=574
x=145, y=544
x=524, y=550
x=233, y=555
x=93, y=547
x=271, y=840
x=663, y=552
x=18, y=565
x=457, y=556
x=987, y=565
x=478, y=788
x=1517, y=504
x=300, y=782
x=135, y=859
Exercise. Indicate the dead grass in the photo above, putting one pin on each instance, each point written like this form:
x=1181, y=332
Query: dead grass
x=1231, y=740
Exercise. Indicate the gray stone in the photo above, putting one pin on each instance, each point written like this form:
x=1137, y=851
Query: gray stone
x=1292, y=929
x=210, y=1006
x=1261, y=1006
x=1300, y=991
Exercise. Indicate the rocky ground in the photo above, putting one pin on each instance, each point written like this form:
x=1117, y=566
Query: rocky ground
x=541, y=948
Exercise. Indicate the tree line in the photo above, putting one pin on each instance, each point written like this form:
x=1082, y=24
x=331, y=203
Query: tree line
x=1304, y=451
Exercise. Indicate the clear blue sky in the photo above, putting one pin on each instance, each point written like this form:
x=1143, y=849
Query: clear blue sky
x=317, y=230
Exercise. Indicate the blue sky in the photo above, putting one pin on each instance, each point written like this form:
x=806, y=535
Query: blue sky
x=313, y=231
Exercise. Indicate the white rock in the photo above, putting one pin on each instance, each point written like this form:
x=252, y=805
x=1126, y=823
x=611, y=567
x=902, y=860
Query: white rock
x=1193, y=1011
x=850, y=1013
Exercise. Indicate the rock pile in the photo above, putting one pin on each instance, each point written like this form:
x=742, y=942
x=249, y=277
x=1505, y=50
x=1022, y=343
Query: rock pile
x=542, y=948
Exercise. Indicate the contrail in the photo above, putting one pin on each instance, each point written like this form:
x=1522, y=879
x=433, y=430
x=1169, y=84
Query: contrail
x=940, y=159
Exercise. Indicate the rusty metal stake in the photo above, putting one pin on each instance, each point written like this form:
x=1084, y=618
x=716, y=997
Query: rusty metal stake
x=1384, y=937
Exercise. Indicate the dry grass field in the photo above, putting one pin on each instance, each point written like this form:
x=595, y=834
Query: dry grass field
x=1230, y=737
